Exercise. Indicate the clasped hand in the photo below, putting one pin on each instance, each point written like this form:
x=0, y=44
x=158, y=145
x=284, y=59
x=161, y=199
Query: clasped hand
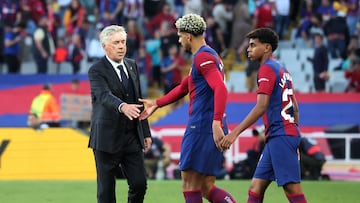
x=150, y=107
x=132, y=111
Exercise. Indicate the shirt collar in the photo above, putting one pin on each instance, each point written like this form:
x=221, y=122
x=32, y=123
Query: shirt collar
x=115, y=64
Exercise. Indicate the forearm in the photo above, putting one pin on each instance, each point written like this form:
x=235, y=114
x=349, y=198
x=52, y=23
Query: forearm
x=250, y=119
x=174, y=95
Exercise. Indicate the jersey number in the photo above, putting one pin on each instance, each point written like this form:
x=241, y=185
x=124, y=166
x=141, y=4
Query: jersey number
x=286, y=97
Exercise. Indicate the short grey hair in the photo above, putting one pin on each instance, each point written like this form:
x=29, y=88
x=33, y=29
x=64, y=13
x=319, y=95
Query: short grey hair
x=191, y=23
x=109, y=31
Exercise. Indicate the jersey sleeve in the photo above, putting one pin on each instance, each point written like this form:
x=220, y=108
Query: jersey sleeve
x=206, y=65
x=178, y=92
x=266, y=80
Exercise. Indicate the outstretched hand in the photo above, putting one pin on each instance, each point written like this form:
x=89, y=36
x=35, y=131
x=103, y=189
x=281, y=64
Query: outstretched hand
x=150, y=107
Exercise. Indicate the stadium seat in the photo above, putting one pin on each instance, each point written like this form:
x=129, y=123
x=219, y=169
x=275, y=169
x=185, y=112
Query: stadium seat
x=236, y=82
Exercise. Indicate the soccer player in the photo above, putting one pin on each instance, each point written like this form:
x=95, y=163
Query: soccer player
x=201, y=157
x=277, y=104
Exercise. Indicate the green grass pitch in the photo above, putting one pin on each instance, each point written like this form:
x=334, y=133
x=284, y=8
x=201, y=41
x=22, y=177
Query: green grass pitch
x=168, y=191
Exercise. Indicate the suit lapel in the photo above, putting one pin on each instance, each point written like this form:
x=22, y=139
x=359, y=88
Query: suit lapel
x=113, y=76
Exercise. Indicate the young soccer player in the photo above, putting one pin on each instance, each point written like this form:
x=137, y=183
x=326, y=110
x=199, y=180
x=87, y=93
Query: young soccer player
x=201, y=157
x=277, y=104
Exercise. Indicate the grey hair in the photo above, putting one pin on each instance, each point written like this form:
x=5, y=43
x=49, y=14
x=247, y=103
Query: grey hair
x=191, y=23
x=109, y=31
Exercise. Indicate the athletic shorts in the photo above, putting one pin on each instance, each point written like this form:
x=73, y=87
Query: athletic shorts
x=280, y=161
x=199, y=152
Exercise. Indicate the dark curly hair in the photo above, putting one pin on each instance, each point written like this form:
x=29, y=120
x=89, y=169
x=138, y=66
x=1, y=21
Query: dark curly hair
x=265, y=35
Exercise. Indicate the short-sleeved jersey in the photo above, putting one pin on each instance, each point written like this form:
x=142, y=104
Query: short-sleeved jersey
x=275, y=80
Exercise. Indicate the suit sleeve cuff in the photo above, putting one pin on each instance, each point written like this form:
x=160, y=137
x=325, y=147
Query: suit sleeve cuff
x=120, y=107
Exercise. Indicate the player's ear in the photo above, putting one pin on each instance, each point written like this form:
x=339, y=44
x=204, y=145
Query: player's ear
x=268, y=47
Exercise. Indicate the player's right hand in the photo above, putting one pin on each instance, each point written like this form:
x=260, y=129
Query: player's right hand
x=150, y=107
x=218, y=134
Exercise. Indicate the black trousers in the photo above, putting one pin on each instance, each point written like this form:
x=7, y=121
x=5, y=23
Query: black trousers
x=131, y=159
x=13, y=63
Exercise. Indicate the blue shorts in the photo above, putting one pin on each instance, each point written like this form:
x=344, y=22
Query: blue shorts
x=280, y=161
x=199, y=152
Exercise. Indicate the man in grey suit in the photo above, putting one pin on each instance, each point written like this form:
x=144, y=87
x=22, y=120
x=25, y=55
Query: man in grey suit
x=117, y=137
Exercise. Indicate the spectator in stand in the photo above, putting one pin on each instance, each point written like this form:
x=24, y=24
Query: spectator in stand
x=153, y=48
x=94, y=47
x=74, y=17
x=164, y=16
x=326, y=9
x=158, y=152
x=75, y=53
x=348, y=63
x=106, y=19
x=171, y=68
x=46, y=107
x=84, y=32
x=143, y=60
x=304, y=33
x=353, y=76
x=133, y=10
x=179, y=8
x=168, y=37
x=13, y=36
x=193, y=6
x=307, y=10
x=240, y=27
x=54, y=22
x=352, y=17
x=223, y=16
x=112, y=10
x=320, y=62
x=43, y=46
x=312, y=159
x=134, y=38
x=152, y=8
x=60, y=54
x=263, y=15
x=63, y=5
x=9, y=10
x=25, y=15
x=341, y=7
x=281, y=10
x=337, y=36
x=351, y=54
x=213, y=35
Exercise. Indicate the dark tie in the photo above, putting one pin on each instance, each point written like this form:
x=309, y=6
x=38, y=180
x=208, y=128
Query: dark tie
x=123, y=75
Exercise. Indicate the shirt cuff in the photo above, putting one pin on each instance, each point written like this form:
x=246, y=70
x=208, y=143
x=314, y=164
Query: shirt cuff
x=121, y=106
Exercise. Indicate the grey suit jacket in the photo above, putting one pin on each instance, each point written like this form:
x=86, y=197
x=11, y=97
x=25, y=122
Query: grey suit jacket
x=107, y=93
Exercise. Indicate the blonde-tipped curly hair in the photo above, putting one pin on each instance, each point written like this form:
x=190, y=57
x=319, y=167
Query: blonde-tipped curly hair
x=191, y=23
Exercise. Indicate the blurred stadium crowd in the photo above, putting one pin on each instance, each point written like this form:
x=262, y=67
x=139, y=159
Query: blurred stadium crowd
x=51, y=35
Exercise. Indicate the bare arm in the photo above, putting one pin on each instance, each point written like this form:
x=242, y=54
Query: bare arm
x=259, y=109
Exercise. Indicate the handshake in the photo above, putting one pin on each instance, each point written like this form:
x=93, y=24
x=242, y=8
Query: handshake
x=134, y=111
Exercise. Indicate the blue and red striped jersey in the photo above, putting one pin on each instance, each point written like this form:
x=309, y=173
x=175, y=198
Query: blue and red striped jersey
x=276, y=81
